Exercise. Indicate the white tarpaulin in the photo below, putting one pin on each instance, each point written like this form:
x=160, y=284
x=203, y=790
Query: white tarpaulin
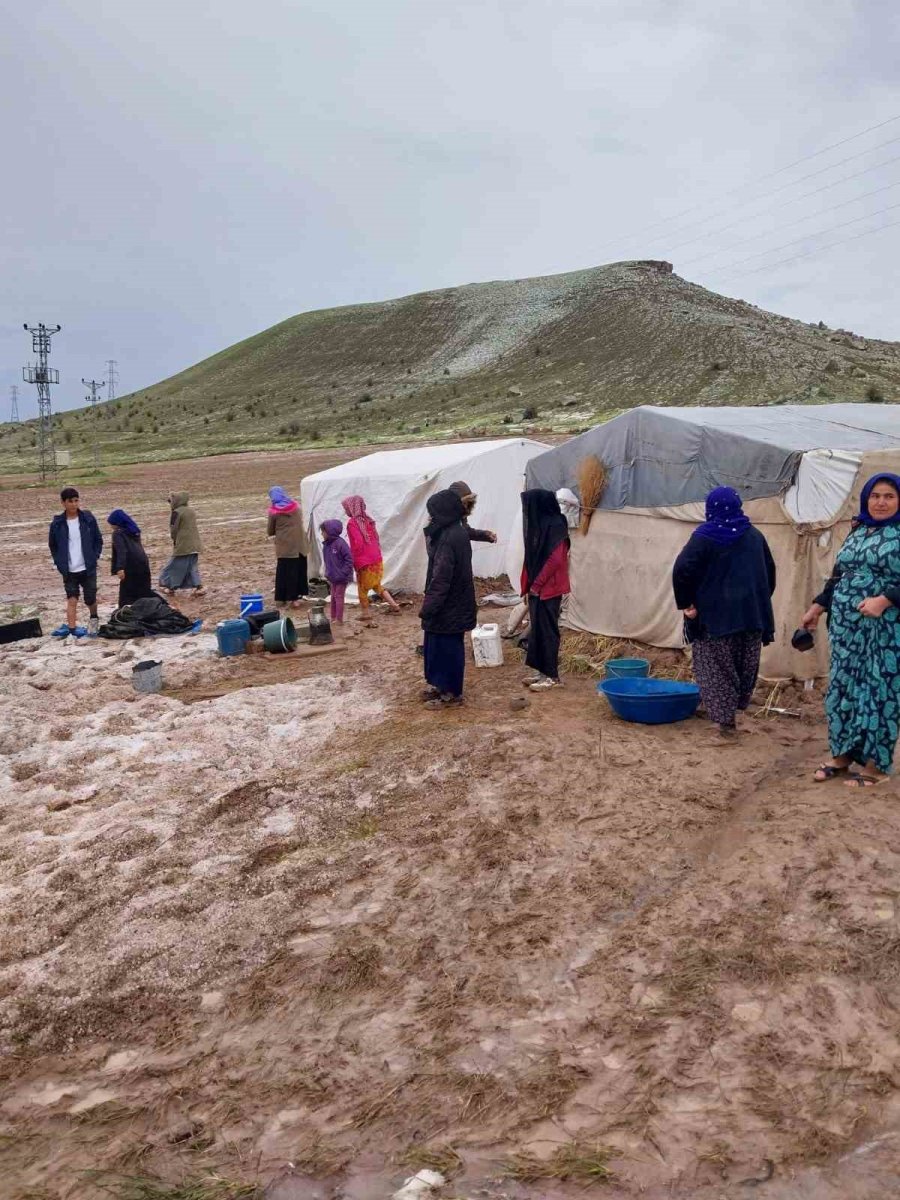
x=396, y=484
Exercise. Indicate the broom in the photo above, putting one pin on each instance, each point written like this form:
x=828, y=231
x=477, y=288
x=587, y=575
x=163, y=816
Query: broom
x=592, y=480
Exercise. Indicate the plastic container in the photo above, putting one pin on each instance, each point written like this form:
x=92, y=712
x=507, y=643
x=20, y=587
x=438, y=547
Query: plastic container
x=232, y=637
x=650, y=701
x=147, y=676
x=251, y=603
x=627, y=668
x=487, y=646
x=280, y=636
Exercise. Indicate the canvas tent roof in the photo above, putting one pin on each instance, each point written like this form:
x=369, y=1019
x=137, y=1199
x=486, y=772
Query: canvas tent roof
x=664, y=457
x=397, y=483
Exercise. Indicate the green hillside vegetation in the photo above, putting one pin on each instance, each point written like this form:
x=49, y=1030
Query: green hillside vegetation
x=557, y=353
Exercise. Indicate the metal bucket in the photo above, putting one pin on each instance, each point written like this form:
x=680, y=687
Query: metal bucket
x=147, y=676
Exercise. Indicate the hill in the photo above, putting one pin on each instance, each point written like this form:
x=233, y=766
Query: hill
x=555, y=353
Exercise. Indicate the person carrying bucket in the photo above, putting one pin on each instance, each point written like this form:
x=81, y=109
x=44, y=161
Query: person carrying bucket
x=287, y=527
x=368, y=561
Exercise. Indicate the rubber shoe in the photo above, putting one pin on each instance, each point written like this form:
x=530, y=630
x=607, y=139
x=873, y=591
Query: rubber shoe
x=544, y=685
x=93, y=627
x=79, y=631
x=62, y=632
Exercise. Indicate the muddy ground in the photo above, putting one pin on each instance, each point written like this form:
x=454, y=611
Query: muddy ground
x=282, y=924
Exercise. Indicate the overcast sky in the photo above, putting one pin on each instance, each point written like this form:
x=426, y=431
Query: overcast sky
x=178, y=176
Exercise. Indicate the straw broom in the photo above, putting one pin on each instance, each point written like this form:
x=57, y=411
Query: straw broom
x=592, y=480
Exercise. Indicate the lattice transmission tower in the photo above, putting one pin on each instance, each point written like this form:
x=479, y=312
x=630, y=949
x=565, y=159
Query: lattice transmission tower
x=95, y=387
x=13, y=404
x=112, y=378
x=43, y=375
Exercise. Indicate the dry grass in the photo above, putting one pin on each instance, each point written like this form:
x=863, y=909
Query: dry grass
x=588, y=654
x=577, y=1161
x=209, y=1187
x=592, y=480
x=432, y=1158
x=354, y=964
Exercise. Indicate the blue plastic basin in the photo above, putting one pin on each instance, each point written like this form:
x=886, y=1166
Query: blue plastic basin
x=627, y=668
x=650, y=701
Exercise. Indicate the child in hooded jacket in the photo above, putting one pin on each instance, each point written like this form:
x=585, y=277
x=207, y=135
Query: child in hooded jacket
x=338, y=566
x=367, y=557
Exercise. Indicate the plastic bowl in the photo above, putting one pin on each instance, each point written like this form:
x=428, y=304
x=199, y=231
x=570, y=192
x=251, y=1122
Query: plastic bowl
x=650, y=701
x=627, y=668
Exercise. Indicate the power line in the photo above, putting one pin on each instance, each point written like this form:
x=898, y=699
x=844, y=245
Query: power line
x=796, y=200
x=808, y=254
x=769, y=232
x=759, y=179
x=784, y=187
x=807, y=236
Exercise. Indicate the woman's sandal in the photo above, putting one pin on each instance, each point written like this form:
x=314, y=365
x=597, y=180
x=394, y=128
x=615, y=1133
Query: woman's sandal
x=864, y=781
x=829, y=772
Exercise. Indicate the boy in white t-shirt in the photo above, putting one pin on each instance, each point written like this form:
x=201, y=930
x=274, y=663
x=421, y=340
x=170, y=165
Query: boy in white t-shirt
x=76, y=542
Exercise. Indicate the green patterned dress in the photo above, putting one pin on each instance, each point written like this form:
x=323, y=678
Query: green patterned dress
x=863, y=700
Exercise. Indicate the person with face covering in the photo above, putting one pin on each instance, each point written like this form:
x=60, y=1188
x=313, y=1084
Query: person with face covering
x=183, y=568
x=286, y=526
x=129, y=558
x=723, y=582
x=545, y=580
x=862, y=600
x=449, y=609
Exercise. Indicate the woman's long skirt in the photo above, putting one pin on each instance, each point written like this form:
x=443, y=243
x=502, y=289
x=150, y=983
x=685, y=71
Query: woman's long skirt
x=862, y=704
x=445, y=662
x=726, y=669
x=543, y=636
x=182, y=571
x=137, y=585
x=290, y=579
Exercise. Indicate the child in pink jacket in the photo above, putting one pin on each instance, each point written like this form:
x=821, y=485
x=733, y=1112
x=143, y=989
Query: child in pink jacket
x=367, y=558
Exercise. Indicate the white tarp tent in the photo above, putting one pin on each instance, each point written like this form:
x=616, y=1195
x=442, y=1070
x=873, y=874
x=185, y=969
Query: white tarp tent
x=396, y=484
x=798, y=468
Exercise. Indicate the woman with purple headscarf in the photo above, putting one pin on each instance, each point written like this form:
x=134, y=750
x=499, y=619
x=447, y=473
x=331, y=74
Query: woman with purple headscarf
x=129, y=563
x=723, y=581
x=287, y=527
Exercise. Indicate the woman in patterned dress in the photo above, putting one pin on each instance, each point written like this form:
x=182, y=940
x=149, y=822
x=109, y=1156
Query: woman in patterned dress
x=862, y=600
x=723, y=582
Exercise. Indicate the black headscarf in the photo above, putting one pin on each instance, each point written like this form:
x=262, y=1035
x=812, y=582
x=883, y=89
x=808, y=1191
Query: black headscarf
x=544, y=527
x=445, y=509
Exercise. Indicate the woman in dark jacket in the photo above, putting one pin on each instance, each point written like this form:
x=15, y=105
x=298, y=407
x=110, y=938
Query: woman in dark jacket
x=723, y=581
x=545, y=580
x=449, y=609
x=129, y=558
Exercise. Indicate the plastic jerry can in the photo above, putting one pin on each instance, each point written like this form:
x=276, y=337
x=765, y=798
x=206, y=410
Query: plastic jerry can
x=487, y=646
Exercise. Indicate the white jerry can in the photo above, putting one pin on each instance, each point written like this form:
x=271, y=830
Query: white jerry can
x=487, y=646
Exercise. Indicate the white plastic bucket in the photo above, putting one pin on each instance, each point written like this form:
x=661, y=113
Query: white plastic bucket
x=487, y=646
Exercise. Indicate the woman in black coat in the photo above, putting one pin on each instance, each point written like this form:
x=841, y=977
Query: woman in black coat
x=129, y=559
x=723, y=581
x=449, y=609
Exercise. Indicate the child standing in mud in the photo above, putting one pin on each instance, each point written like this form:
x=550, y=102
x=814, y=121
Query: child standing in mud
x=338, y=566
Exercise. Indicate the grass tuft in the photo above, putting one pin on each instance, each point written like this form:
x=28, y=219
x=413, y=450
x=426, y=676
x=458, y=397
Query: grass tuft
x=574, y=1160
x=207, y=1187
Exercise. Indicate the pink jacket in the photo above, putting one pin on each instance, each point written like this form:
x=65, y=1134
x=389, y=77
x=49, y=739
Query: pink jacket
x=365, y=553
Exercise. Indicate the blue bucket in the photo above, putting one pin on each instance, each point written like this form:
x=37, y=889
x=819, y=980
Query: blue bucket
x=627, y=668
x=650, y=701
x=232, y=637
x=251, y=603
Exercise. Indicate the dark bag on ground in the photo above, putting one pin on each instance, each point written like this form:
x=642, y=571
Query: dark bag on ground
x=147, y=617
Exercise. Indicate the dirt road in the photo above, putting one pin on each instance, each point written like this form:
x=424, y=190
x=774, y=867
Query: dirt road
x=282, y=923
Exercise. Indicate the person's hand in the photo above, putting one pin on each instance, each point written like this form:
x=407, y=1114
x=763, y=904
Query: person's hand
x=811, y=617
x=120, y=574
x=873, y=606
x=691, y=612
x=491, y=536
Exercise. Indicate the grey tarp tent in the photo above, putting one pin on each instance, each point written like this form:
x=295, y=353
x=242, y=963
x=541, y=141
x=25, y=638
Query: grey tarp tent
x=798, y=468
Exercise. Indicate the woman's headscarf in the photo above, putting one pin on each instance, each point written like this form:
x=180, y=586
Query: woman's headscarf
x=862, y=517
x=543, y=527
x=281, y=501
x=726, y=520
x=332, y=529
x=355, y=508
x=121, y=520
x=569, y=506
